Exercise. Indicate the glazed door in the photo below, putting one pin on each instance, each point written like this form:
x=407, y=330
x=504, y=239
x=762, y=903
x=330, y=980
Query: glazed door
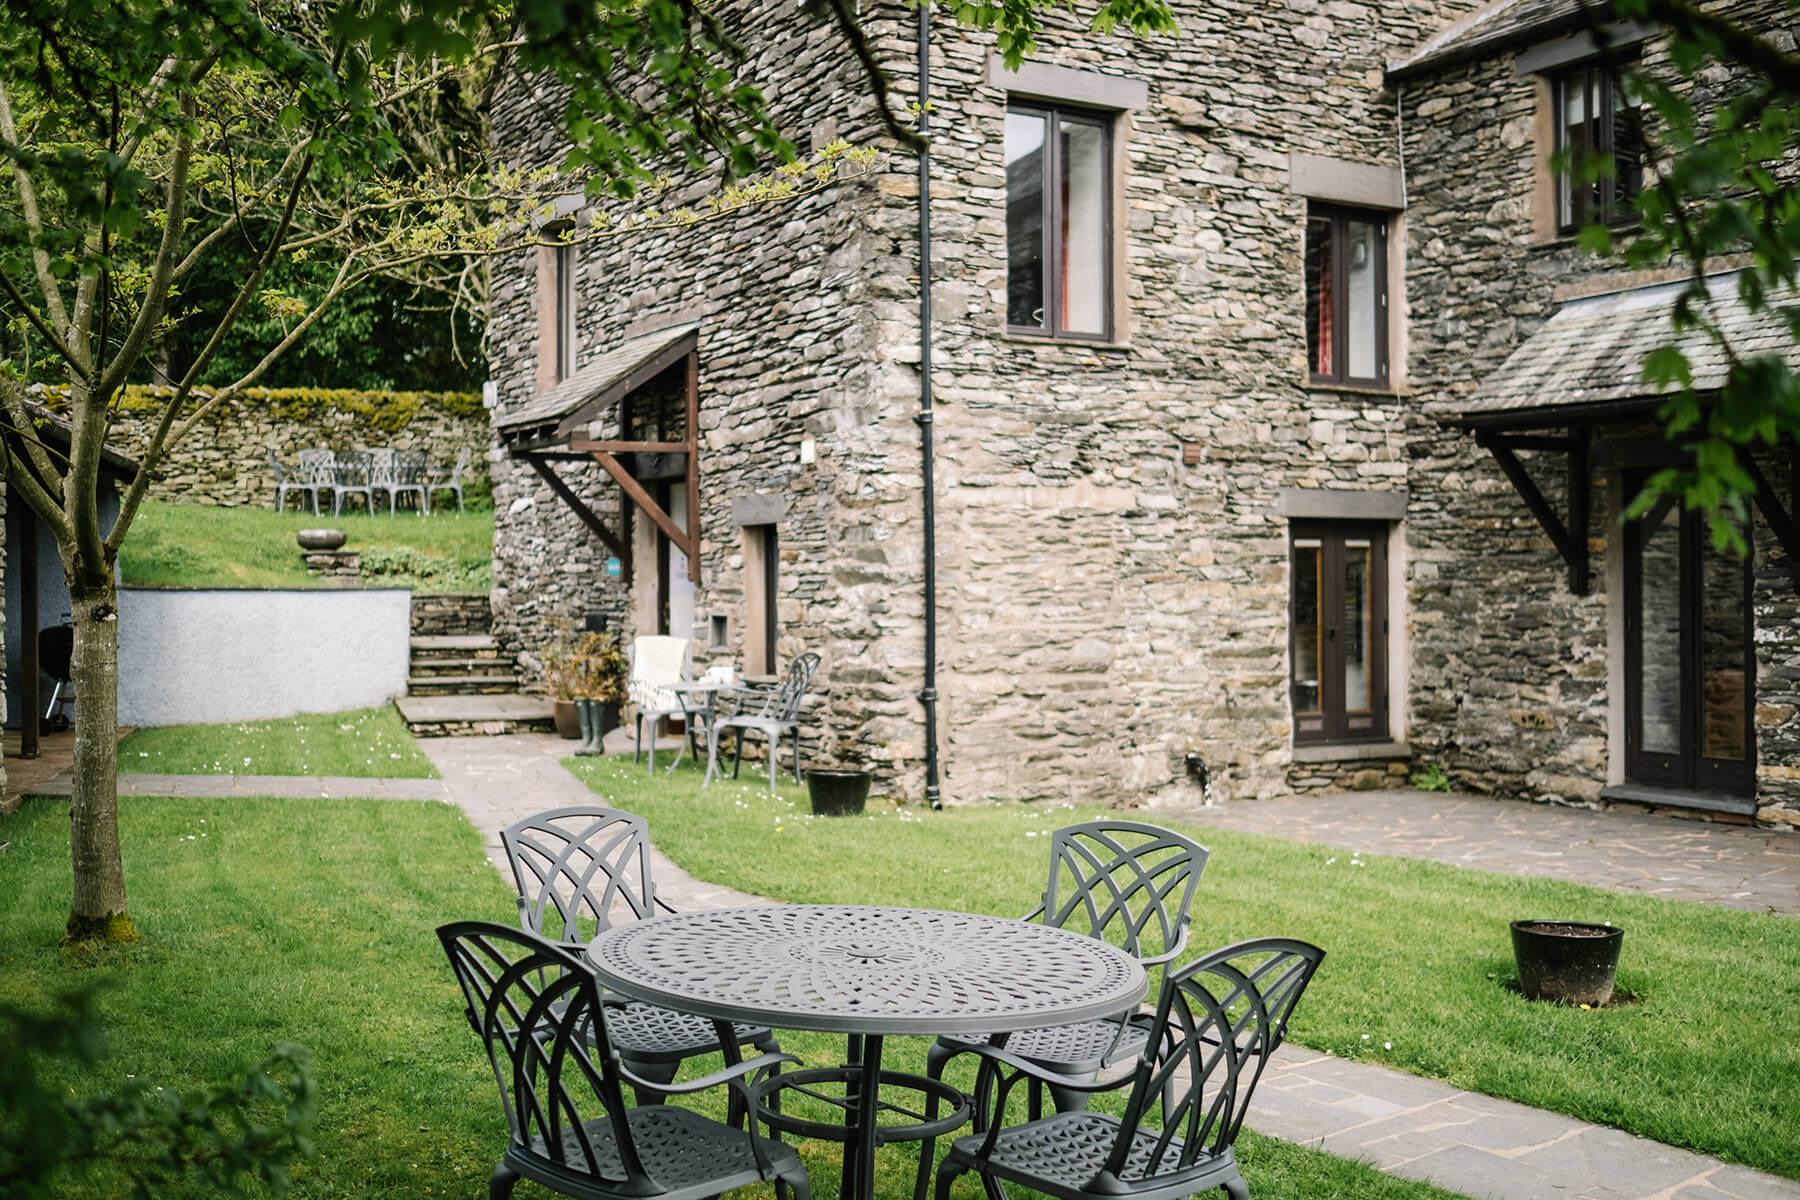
x=1690, y=668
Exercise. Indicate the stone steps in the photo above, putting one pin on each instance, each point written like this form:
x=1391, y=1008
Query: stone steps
x=461, y=684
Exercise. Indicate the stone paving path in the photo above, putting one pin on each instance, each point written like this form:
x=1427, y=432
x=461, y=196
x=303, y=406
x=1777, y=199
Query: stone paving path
x=1405, y=1125
x=1730, y=865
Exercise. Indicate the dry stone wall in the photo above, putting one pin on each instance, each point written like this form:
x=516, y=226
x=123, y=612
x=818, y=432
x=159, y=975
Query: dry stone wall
x=225, y=460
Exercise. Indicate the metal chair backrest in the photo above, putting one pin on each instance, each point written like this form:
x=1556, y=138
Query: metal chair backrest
x=1224, y=1014
x=1124, y=882
x=537, y=1010
x=579, y=870
x=462, y=461
x=314, y=465
x=783, y=702
x=275, y=464
x=656, y=663
x=409, y=467
x=381, y=466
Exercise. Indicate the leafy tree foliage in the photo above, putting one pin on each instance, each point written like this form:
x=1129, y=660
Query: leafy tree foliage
x=1726, y=156
x=228, y=1135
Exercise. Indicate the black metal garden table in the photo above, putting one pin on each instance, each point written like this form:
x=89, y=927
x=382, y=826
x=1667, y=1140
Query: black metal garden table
x=868, y=972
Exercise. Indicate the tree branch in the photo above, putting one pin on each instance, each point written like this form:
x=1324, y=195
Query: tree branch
x=34, y=222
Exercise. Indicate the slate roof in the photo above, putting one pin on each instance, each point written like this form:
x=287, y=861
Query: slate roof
x=1499, y=27
x=613, y=368
x=1591, y=353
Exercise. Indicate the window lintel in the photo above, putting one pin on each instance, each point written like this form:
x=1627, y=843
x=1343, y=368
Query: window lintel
x=1340, y=181
x=1341, y=504
x=1564, y=51
x=1066, y=85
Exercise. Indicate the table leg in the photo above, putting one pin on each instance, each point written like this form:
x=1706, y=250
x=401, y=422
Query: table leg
x=863, y=1096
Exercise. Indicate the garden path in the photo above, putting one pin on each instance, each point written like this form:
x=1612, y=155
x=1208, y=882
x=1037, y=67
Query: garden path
x=1714, y=863
x=1403, y=1124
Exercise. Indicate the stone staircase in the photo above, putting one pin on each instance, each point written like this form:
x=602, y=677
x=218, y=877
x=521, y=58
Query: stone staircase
x=458, y=682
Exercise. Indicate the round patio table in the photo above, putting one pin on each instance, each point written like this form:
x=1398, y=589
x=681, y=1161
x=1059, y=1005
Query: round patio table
x=868, y=972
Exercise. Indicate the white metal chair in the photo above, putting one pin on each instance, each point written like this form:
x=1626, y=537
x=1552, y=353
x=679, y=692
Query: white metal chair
x=656, y=664
x=453, y=481
x=772, y=713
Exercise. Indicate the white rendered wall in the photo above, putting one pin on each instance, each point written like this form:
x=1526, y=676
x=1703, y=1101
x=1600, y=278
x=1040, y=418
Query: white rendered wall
x=205, y=655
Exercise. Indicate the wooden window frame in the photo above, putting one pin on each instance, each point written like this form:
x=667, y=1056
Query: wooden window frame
x=1051, y=114
x=1600, y=136
x=762, y=578
x=1336, y=722
x=1340, y=216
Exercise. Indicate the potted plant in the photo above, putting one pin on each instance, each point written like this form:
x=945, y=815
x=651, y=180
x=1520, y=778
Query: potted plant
x=560, y=676
x=841, y=790
x=1571, y=962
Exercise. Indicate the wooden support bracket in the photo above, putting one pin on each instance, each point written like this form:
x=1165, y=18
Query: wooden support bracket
x=620, y=548
x=1781, y=521
x=1570, y=539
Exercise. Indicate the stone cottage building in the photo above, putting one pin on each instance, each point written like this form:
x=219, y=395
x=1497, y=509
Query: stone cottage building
x=1255, y=465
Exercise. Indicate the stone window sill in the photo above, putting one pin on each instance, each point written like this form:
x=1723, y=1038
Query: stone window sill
x=1400, y=392
x=1350, y=752
x=1071, y=343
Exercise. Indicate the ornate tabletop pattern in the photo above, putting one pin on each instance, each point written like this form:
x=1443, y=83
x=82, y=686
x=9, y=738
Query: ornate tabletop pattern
x=864, y=969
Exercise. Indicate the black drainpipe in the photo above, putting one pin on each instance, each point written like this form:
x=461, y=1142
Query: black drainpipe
x=927, y=694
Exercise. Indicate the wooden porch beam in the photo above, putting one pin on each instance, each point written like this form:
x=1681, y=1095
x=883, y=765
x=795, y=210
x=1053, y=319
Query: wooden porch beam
x=693, y=463
x=588, y=516
x=689, y=543
x=1572, y=549
x=627, y=447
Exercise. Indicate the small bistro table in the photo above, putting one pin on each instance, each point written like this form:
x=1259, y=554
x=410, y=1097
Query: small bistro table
x=867, y=972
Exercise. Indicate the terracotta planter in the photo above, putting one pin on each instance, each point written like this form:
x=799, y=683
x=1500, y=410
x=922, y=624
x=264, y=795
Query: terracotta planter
x=837, y=793
x=566, y=723
x=1566, y=961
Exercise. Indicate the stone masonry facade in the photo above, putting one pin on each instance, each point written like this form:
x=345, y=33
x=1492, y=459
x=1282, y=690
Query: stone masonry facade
x=1112, y=549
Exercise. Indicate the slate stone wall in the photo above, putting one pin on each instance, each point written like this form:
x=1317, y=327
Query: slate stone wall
x=224, y=461
x=1109, y=604
x=1510, y=670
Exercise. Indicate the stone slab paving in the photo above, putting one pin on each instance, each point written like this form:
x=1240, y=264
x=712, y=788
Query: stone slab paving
x=1730, y=865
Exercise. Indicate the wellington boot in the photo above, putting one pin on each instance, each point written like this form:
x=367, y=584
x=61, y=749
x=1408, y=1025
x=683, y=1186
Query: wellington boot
x=587, y=712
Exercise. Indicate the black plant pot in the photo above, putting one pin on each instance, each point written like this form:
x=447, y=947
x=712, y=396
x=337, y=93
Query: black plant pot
x=1566, y=961
x=837, y=793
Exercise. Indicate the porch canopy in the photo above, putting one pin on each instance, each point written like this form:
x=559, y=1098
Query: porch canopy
x=557, y=424
x=1584, y=368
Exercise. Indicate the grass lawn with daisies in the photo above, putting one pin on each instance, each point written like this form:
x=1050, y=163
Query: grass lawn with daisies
x=264, y=921
x=366, y=743
x=1699, y=1052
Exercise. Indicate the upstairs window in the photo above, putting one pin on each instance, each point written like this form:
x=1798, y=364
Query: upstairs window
x=564, y=316
x=1346, y=296
x=1058, y=222
x=1594, y=117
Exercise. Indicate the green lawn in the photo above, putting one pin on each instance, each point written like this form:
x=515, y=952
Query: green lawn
x=196, y=545
x=312, y=921
x=368, y=743
x=1419, y=973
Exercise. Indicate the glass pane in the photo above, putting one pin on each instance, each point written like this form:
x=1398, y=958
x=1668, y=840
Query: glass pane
x=1659, y=611
x=1307, y=649
x=1364, y=301
x=1082, y=240
x=1319, y=317
x=1574, y=201
x=1025, y=219
x=1724, y=657
x=1358, y=612
x=1627, y=153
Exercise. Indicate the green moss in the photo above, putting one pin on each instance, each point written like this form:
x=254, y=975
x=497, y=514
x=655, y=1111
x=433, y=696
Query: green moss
x=112, y=929
x=384, y=412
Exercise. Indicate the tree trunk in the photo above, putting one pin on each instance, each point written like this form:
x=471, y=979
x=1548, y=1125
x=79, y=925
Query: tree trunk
x=97, y=912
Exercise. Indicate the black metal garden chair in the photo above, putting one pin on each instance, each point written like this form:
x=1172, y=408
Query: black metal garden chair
x=579, y=870
x=1217, y=1021
x=1124, y=882
x=538, y=1011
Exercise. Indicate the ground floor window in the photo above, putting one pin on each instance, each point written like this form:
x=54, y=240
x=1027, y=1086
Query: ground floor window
x=1689, y=666
x=1338, y=623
